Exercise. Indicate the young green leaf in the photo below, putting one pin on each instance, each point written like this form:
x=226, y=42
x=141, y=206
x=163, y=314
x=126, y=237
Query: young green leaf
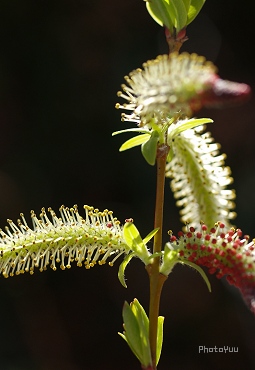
x=150, y=235
x=159, y=338
x=194, y=9
x=136, y=331
x=156, y=254
x=180, y=14
x=174, y=13
x=135, y=242
x=143, y=322
x=186, y=4
x=170, y=155
x=200, y=270
x=134, y=141
x=132, y=236
x=186, y=125
x=132, y=331
x=162, y=12
x=170, y=258
x=149, y=148
x=122, y=268
x=136, y=129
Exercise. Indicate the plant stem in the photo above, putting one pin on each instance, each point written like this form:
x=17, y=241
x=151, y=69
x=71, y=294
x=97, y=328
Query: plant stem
x=156, y=279
x=174, y=40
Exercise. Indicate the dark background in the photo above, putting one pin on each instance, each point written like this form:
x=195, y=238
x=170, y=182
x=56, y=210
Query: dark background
x=61, y=64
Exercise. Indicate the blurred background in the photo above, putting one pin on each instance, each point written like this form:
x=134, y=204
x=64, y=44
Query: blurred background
x=61, y=64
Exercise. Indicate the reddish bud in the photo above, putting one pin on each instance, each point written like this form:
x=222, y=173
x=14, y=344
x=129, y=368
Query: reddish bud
x=224, y=93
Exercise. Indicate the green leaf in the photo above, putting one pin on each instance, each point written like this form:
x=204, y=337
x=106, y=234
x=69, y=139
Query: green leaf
x=169, y=260
x=143, y=323
x=156, y=254
x=149, y=148
x=169, y=13
x=180, y=14
x=155, y=127
x=136, y=331
x=162, y=12
x=174, y=13
x=200, y=270
x=191, y=123
x=186, y=4
x=150, y=235
x=159, y=338
x=132, y=236
x=170, y=154
x=122, y=268
x=132, y=331
x=140, y=313
x=131, y=130
x=135, y=242
x=134, y=141
x=194, y=9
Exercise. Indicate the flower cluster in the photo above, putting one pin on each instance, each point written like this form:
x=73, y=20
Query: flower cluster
x=166, y=85
x=63, y=240
x=175, y=83
x=224, y=252
x=200, y=178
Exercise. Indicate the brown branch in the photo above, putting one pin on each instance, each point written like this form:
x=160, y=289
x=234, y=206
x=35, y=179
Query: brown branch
x=156, y=279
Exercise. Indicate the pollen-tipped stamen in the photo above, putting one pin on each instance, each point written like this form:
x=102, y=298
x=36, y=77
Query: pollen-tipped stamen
x=61, y=240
